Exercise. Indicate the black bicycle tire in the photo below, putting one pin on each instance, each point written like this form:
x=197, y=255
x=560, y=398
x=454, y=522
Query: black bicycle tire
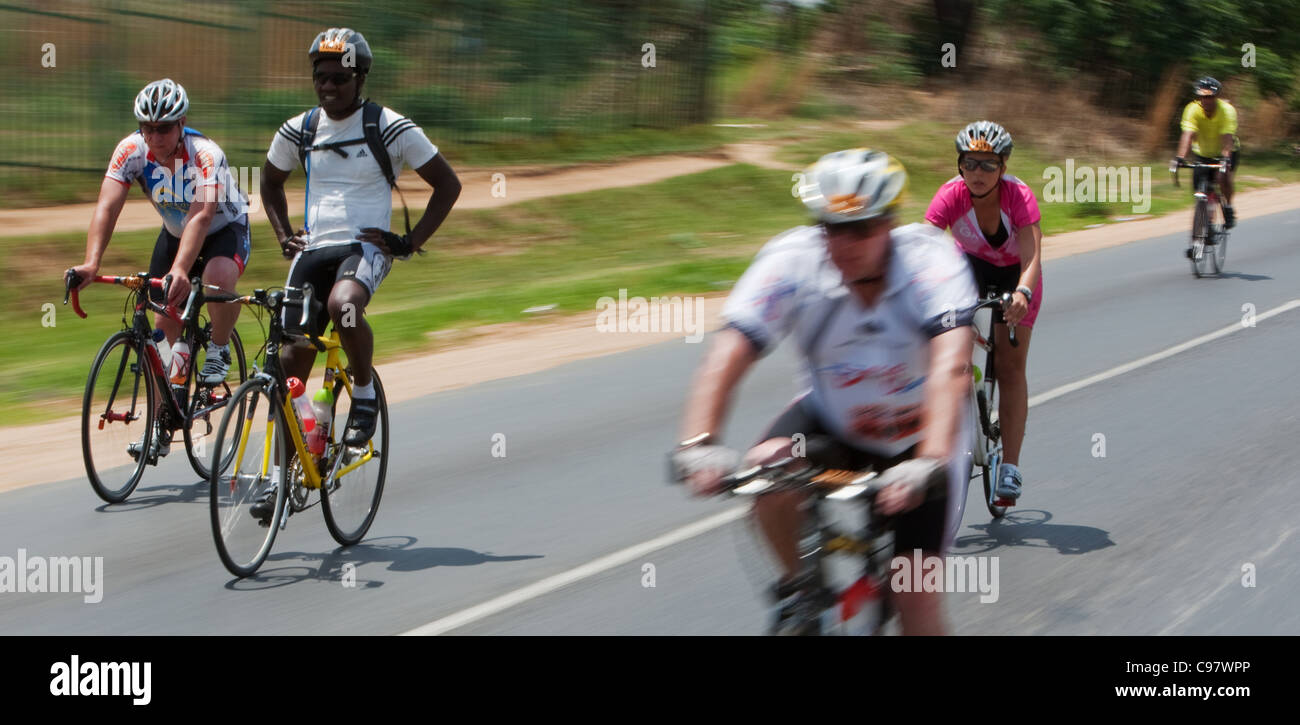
x=133, y=343
x=993, y=435
x=1200, y=226
x=353, y=538
x=214, y=481
x=237, y=346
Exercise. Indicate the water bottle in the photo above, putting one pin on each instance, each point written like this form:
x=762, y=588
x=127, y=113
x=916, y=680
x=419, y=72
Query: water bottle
x=322, y=405
x=180, y=364
x=302, y=405
x=164, y=348
x=154, y=354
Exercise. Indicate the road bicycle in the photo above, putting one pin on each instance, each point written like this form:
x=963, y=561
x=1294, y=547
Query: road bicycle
x=844, y=544
x=1209, y=248
x=267, y=471
x=129, y=411
x=984, y=396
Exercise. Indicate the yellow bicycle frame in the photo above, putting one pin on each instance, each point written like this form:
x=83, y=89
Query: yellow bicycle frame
x=311, y=474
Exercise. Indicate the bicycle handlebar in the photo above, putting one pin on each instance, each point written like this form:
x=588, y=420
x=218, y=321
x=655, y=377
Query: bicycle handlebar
x=71, y=281
x=844, y=484
x=276, y=301
x=1176, y=165
x=1001, y=304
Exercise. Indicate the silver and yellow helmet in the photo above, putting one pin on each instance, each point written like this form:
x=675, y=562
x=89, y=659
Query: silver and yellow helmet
x=984, y=136
x=853, y=185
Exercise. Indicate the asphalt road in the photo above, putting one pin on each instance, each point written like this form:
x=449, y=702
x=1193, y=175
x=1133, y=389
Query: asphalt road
x=1197, y=489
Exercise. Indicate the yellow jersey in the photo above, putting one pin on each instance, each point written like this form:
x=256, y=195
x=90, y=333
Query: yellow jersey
x=1209, y=128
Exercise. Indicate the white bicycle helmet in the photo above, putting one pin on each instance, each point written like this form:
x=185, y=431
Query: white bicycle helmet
x=852, y=185
x=160, y=101
x=984, y=136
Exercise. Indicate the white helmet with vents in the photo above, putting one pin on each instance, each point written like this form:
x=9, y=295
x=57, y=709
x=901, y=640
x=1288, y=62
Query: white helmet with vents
x=853, y=185
x=163, y=100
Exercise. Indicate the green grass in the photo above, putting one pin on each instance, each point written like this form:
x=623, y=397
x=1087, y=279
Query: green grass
x=926, y=150
x=689, y=234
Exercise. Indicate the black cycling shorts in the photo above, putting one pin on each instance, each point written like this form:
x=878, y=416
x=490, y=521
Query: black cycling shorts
x=991, y=278
x=229, y=241
x=322, y=267
x=921, y=528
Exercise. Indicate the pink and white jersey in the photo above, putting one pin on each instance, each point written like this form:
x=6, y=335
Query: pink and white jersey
x=951, y=208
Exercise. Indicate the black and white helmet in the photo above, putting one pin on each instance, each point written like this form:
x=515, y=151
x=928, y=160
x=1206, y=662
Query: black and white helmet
x=161, y=101
x=853, y=185
x=984, y=136
x=1207, y=86
x=335, y=43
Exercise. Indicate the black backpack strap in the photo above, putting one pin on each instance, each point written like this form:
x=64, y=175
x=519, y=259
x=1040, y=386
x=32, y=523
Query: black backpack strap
x=370, y=117
x=370, y=114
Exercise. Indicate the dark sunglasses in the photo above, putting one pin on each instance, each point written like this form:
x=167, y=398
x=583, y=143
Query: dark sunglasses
x=972, y=164
x=158, y=129
x=338, y=79
x=859, y=229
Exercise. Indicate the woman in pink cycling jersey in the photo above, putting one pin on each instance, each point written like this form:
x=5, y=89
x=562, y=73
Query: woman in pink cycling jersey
x=994, y=217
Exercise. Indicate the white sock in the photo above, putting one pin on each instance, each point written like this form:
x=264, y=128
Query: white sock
x=363, y=391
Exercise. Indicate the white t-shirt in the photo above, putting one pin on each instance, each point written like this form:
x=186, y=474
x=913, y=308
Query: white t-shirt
x=346, y=194
x=200, y=163
x=865, y=366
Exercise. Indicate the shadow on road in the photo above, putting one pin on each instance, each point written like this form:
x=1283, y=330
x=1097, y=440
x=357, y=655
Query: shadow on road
x=1240, y=275
x=345, y=566
x=176, y=493
x=1029, y=527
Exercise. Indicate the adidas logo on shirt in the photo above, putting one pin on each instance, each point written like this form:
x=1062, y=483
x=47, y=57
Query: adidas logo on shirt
x=363, y=153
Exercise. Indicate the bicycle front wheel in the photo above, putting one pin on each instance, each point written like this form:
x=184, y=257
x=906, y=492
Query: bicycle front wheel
x=249, y=478
x=117, y=418
x=991, y=442
x=206, y=401
x=1219, y=254
x=1200, y=235
x=350, y=496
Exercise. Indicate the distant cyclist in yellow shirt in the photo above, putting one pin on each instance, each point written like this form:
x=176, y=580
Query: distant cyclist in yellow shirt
x=1209, y=125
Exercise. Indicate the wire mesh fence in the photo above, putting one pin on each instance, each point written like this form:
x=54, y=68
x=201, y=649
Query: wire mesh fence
x=469, y=72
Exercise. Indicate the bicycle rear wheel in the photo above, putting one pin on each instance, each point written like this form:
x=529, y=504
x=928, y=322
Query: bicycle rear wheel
x=252, y=458
x=117, y=413
x=351, y=492
x=206, y=401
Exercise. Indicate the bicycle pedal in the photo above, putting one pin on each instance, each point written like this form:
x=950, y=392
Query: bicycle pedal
x=1005, y=502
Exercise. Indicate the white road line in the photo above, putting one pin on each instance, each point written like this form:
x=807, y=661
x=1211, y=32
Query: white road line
x=1169, y=352
x=1234, y=579
x=551, y=583
x=618, y=558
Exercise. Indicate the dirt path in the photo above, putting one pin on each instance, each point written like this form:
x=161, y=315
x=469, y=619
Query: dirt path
x=480, y=189
x=499, y=351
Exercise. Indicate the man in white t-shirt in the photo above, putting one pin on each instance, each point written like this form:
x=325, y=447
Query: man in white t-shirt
x=881, y=316
x=346, y=248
